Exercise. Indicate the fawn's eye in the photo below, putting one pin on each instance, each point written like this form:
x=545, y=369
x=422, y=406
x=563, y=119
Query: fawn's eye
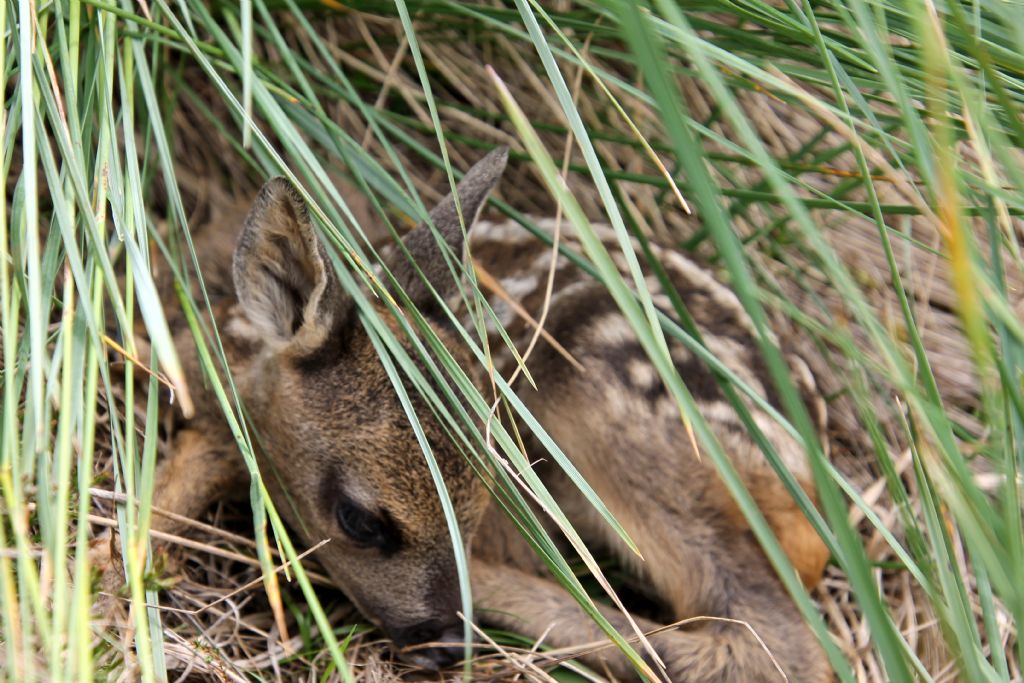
x=362, y=526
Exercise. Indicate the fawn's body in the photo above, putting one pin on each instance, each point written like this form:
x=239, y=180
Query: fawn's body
x=341, y=462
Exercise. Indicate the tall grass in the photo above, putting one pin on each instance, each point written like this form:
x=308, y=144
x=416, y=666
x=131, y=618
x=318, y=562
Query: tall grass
x=908, y=118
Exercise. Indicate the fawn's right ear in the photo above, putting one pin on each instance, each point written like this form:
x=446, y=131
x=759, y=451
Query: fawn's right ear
x=282, y=274
x=422, y=245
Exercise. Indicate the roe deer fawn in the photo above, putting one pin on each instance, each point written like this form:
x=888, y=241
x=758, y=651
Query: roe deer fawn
x=341, y=462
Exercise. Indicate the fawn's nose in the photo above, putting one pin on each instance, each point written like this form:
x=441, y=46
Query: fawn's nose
x=445, y=649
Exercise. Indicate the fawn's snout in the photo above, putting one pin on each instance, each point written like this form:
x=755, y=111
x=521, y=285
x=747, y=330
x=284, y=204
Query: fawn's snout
x=441, y=643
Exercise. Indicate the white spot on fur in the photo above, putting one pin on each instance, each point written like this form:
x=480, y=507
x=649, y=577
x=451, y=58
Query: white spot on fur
x=520, y=287
x=612, y=329
x=642, y=374
x=508, y=232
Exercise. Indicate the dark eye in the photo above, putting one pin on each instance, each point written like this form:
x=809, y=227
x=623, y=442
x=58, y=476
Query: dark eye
x=361, y=525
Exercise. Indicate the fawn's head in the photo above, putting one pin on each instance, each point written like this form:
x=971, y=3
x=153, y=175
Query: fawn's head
x=337, y=451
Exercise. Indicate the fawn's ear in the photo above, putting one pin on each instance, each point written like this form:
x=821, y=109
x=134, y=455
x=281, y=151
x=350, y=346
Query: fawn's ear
x=282, y=274
x=423, y=246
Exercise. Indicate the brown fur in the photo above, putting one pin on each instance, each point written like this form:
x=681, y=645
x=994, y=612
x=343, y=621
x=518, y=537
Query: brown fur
x=329, y=428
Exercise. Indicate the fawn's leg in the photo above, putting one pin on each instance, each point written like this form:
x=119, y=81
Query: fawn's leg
x=203, y=468
x=537, y=607
x=718, y=645
x=704, y=652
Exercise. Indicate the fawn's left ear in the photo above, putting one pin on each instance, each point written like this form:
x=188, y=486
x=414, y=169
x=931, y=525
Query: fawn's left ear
x=283, y=276
x=423, y=246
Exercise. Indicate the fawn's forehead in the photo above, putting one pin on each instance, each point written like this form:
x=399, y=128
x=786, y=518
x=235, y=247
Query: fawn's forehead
x=360, y=433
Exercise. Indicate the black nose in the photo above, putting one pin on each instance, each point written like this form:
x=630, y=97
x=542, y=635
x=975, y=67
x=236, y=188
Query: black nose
x=446, y=644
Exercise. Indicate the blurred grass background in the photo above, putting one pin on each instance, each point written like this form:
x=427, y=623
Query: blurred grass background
x=853, y=170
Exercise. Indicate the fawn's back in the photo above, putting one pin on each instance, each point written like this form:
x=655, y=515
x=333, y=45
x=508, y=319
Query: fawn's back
x=598, y=390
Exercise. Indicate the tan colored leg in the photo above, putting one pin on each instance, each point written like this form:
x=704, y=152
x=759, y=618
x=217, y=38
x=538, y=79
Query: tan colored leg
x=204, y=467
x=703, y=652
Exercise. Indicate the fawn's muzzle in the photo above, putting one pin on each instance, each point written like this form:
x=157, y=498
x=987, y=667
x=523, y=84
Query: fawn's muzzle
x=445, y=639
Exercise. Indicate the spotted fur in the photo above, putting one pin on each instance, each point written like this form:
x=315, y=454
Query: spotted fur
x=614, y=419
